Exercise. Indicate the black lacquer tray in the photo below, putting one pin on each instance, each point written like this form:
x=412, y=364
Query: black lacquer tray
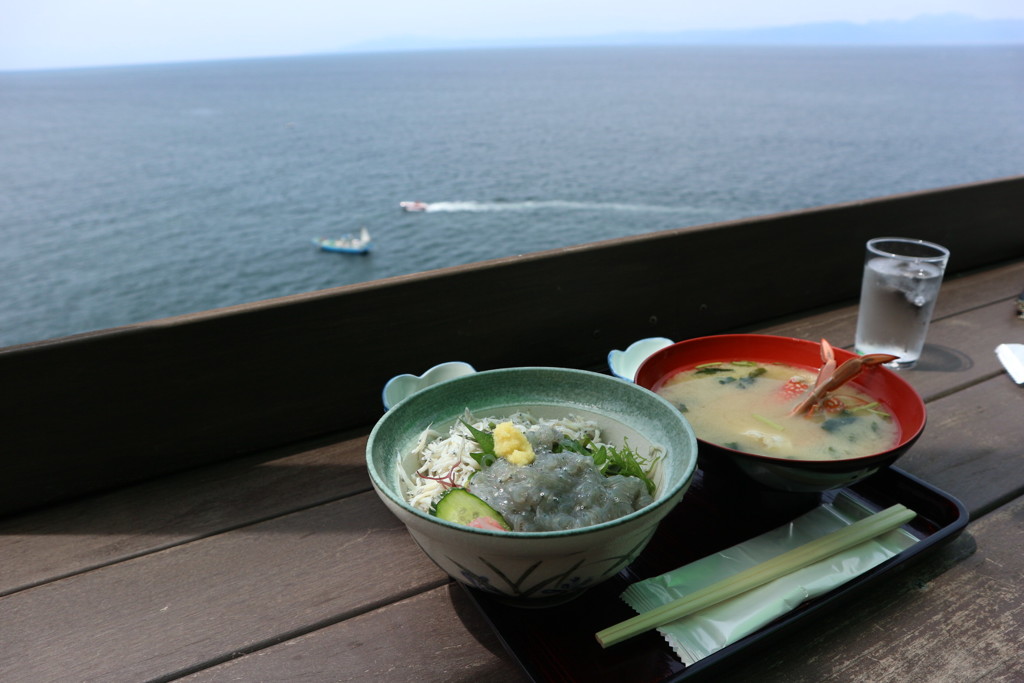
x=557, y=644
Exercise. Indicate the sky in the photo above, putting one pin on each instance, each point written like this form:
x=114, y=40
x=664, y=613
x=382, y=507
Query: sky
x=41, y=34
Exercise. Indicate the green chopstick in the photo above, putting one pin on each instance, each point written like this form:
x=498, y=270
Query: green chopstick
x=814, y=551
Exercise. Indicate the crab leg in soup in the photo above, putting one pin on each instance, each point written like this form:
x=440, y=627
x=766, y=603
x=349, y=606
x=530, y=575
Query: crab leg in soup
x=747, y=406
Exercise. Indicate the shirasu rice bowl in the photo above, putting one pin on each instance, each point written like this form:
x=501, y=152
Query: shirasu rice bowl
x=532, y=569
x=573, y=481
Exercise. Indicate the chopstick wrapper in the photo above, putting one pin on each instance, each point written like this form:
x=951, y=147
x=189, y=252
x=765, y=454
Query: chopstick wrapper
x=698, y=635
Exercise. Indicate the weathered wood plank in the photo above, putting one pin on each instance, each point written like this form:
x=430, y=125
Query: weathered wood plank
x=103, y=409
x=937, y=621
x=960, y=350
x=237, y=572
x=973, y=445
x=96, y=531
x=173, y=611
x=966, y=624
x=962, y=291
x=435, y=636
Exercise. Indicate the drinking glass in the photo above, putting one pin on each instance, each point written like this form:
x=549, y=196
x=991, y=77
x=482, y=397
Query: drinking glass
x=897, y=296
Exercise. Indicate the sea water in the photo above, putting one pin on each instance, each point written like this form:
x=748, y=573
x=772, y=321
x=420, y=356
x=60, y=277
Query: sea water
x=134, y=193
x=897, y=300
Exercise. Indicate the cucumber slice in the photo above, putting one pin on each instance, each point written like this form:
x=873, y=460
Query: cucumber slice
x=462, y=507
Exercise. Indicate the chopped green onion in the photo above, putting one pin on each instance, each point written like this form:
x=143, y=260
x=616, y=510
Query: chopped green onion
x=870, y=408
x=770, y=423
x=744, y=362
x=769, y=570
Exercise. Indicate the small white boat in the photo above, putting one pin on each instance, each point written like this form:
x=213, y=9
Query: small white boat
x=347, y=244
x=413, y=206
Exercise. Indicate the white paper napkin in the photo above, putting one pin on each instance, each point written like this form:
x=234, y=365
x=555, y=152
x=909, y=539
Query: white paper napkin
x=1012, y=358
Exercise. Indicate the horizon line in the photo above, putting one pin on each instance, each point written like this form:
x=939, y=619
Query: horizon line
x=947, y=30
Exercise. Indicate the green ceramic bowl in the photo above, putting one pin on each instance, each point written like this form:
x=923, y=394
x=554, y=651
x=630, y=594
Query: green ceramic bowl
x=542, y=567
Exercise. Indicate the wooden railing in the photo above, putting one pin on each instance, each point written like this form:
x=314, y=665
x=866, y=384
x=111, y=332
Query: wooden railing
x=100, y=410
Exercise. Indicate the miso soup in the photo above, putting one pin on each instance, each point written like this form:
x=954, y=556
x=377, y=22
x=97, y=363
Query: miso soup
x=746, y=406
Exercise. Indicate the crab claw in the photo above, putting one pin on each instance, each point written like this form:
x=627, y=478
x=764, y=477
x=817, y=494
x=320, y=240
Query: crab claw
x=828, y=364
x=853, y=367
x=831, y=378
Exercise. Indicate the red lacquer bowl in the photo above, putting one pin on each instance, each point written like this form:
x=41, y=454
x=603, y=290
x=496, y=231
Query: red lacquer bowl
x=895, y=393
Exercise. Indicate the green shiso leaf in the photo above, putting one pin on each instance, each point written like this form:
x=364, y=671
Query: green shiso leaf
x=485, y=441
x=611, y=461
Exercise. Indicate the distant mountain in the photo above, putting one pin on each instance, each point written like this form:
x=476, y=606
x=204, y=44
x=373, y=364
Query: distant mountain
x=942, y=29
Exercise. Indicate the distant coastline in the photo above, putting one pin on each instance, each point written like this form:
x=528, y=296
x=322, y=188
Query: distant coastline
x=934, y=30
x=937, y=29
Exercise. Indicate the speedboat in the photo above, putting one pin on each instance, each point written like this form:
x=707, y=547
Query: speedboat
x=347, y=244
x=413, y=206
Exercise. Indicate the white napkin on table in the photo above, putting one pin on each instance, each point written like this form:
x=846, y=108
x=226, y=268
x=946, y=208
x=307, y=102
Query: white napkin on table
x=1012, y=358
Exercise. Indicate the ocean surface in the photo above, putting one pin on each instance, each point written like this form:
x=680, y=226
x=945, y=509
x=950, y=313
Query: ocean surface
x=134, y=193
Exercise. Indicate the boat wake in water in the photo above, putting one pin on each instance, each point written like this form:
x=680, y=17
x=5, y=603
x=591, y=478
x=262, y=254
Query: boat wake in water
x=553, y=204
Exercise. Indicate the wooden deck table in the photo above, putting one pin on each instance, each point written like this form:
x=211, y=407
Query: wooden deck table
x=280, y=563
